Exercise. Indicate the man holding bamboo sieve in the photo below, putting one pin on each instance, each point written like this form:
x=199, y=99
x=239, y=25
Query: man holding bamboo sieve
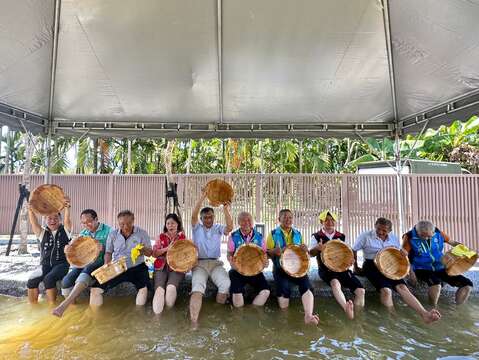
x=246, y=234
x=425, y=245
x=277, y=241
x=54, y=266
x=78, y=279
x=120, y=243
x=371, y=243
x=207, y=237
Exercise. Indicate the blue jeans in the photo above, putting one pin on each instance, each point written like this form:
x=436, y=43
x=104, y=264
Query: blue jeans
x=77, y=275
x=49, y=275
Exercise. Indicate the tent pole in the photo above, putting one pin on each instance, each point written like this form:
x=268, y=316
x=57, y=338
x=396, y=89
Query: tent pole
x=53, y=70
x=397, y=133
x=399, y=189
x=219, y=36
x=48, y=154
x=387, y=31
x=129, y=157
x=300, y=156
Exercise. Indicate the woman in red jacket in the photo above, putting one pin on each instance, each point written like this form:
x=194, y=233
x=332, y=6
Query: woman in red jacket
x=166, y=280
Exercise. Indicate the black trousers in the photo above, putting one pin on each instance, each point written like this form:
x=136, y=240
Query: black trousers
x=137, y=275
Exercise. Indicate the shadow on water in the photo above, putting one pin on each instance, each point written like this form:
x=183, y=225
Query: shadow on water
x=120, y=330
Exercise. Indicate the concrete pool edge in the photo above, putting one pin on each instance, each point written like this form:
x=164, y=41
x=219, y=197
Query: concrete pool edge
x=18, y=287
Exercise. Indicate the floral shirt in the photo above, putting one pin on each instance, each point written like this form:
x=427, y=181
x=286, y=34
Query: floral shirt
x=163, y=241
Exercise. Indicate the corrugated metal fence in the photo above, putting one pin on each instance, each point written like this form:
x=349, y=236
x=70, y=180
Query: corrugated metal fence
x=448, y=200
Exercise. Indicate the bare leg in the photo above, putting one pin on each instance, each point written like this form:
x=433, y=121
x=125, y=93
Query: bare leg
x=359, y=294
x=170, y=297
x=462, y=294
x=238, y=300
x=308, y=305
x=221, y=298
x=142, y=296
x=413, y=302
x=96, y=297
x=283, y=302
x=434, y=293
x=33, y=295
x=261, y=298
x=159, y=300
x=386, y=298
x=196, y=301
x=347, y=306
x=77, y=290
x=51, y=295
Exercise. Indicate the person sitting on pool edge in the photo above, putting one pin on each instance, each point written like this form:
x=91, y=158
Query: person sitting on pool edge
x=246, y=234
x=79, y=279
x=207, y=238
x=166, y=280
x=371, y=242
x=336, y=280
x=53, y=262
x=425, y=245
x=120, y=242
x=277, y=240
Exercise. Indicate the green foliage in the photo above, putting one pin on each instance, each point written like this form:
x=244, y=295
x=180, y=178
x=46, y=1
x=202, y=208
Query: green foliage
x=316, y=155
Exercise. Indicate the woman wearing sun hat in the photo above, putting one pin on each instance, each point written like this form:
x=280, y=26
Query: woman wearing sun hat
x=337, y=280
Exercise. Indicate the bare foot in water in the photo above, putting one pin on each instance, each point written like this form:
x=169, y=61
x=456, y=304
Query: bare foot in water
x=349, y=310
x=431, y=316
x=59, y=310
x=311, y=319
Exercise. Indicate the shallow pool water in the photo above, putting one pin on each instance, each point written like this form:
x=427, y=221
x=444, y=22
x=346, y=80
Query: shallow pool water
x=119, y=330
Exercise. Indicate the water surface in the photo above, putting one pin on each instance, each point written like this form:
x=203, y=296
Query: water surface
x=120, y=330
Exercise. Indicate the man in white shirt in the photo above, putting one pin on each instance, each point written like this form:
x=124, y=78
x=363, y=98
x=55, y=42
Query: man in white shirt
x=371, y=242
x=207, y=237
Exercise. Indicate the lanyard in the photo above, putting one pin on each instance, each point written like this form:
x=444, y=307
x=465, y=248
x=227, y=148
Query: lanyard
x=246, y=238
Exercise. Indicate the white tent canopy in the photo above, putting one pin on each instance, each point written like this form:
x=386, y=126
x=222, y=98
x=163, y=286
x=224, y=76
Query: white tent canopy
x=237, y=68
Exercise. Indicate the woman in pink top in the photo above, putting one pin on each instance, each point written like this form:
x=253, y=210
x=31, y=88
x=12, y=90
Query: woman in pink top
x=166, y=280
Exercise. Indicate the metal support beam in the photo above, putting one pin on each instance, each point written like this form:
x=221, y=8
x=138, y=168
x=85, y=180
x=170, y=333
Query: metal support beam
x=12, y=113
x=387, y=30
x=416, y=140
x=300, y=156
x=461, y=107
x=219, y=36
x=53, y=70
x=129, y=157
x=48, y=156
x=392, y=76
x=397, y=145
x=251, y=128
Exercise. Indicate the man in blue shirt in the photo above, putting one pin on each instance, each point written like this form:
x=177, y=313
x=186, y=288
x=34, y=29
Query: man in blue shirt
x=207, y=238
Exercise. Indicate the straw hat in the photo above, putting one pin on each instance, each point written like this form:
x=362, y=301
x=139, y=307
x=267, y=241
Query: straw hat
x=47, y=199
x=249, y=259
x=182, y=256
x=219, y=192
x=82, y=251
x=295, y=261
x=392, y=263
x=337, y=256
x=110, y=271
x=457, y=265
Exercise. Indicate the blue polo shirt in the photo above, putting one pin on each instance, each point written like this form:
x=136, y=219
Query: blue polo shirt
x=208, y=241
